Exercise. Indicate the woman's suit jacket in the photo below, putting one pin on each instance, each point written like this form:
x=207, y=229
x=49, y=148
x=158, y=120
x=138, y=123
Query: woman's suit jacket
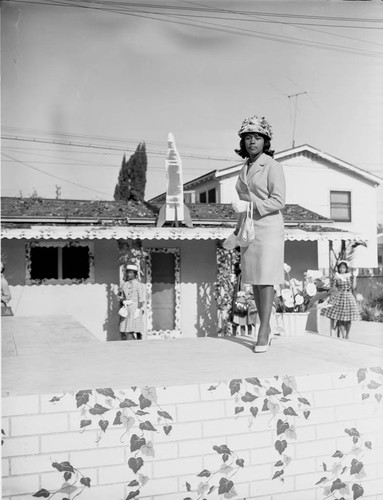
x=264, y=185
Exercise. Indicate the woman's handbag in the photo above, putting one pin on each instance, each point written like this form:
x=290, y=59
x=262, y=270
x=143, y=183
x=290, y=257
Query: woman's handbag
x=246, y=234
x=240, y=308
x=6, y=310
x=123, y=312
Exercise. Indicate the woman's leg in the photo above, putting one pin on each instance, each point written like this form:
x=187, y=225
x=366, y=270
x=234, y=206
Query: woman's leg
x=347, y=328
x=266, y=298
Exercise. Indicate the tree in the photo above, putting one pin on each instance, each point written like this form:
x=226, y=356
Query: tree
x=132, y=176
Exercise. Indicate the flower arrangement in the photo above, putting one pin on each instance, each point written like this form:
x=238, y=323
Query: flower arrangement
x=300, y=296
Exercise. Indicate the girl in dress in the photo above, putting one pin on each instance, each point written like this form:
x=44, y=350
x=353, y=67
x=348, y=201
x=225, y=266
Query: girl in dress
x=344, y=307
x=132, y=299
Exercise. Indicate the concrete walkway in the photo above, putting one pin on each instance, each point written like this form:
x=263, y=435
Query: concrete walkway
x=52, y=355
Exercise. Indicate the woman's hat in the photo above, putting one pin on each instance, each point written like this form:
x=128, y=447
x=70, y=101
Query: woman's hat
x=132, y=267
x=256, y=124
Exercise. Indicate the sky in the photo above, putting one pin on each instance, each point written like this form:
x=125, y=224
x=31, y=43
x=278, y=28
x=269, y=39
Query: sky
x=83, y=86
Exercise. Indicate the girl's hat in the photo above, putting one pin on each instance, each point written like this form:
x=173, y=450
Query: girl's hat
x=256, y=124
x=132, y=267
x=343, y=262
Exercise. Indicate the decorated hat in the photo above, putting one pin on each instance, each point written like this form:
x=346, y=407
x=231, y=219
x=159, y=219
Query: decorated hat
x=131, y=267
x=256, y=124
x=343, y=262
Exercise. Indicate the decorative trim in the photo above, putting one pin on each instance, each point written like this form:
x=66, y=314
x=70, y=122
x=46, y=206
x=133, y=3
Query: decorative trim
x=58, y=244
x=160, y=334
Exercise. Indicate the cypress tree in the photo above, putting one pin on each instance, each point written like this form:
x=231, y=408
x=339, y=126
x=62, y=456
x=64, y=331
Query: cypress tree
x=132, y=176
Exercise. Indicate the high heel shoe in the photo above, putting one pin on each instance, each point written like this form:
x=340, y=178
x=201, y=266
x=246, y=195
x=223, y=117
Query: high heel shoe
x=263, y=348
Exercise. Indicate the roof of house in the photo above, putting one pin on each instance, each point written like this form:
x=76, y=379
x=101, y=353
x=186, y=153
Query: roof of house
x=46, y=210
x=303, y=150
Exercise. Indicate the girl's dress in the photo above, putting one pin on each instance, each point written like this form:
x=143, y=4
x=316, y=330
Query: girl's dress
x=264, y=184
x=344, y=306
x=133, y=291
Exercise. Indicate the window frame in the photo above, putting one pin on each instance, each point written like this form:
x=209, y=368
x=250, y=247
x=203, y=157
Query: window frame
x=340, y=205
x=60, y=245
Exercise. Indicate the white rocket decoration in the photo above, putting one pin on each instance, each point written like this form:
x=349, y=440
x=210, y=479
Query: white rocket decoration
x=174, y=209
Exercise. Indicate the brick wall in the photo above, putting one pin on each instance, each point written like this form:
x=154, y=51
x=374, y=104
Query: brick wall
x=269, y=439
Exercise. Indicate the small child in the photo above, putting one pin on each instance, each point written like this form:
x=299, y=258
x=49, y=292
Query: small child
x=132, y=300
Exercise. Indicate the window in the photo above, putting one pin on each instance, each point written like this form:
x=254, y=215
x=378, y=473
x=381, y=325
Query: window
x=208, y=196
x=59, y=262
x=203, y=197
x=211, y=196
x=189, y=197
x=340, y=203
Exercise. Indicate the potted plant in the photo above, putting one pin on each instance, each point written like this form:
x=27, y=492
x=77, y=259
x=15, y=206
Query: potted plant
x=294, y=300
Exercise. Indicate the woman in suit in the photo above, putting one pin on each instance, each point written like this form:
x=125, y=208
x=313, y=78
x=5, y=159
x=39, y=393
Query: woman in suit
x=262, y=182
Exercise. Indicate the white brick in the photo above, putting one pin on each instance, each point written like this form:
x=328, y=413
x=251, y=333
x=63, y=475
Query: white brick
x=332, y=430
x=305, y=433
x=355, y=410
x=5, y=427
x=114, y=474
x=159, y=487
x=220, y=392
x=34, y=463
x=227, y=426
x=250, y=440
x=23, y=485
x=68, y=441
x=178, y=394
x=302, y=466
x=19, y=405
x=271, y=487
x=335, y=397
x=38, y=424
x=374, y=487
x=307, y=481
x=252, y=473
x=53, y=480
x=370, y=425
x=314, y=382
x=192, y=447
x=204, y=411
x=99, y=457
x=171, y=468
x=264, y=455
x=5, y=467
x=20, y=446
x=67, y=403
x=168, y=496
x=108, y=492
x=344, y=379
x=262, y=421
x=296, y=495
x=165, y=451
x=314, y=448
x=319, y=416
x=191, y=430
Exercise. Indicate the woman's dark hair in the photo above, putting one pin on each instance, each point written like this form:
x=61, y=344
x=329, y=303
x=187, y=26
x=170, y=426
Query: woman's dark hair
x=340, y=263
x=242, y=152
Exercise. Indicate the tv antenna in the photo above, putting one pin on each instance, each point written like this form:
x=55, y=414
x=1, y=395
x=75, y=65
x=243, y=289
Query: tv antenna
x=295, y=112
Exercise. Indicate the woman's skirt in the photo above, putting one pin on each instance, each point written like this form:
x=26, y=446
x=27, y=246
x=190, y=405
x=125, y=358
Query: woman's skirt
x=130, y=324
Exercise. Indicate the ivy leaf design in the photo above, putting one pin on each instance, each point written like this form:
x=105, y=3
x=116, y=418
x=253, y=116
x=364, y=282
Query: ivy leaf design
x=238, y=409
x=240, y=462
x=337, y=454
x=290, y=411
x=265, y=406
x=135, y=464
x=377, y=369
x=128, y=422
x=254, y=411
x=306, y=414
x=373, y=385
x=352, y=432
x=98, y=409
x=147, y=426
x=368, y=444
x=136, y=442
x=134, y=483
x=282, y=426
x=42, y=493
x=149, y=393
x=204, y=473
x=254, y=381
x=127, y=403
x=53, y=400
x=107, y=393
x=337, y=485
x=248, y=397
x=324, y=467
x=63, y=466
x=272, y=391
x=280, y=446
x=291, y=433
x=164, y=414
x=212, y=388
x=357, y=491
x=286, y=390
x=117, y=418
x=84, y=423
x=224, y=486
x=274, y=408
x=361, y=374
x=304, y=401
x=222, y=449
x=143, y=479
x=378, y=397
x=167, y=429
x=278, y=464
x=230, y=494
x=322, y=480
x=148, y=449
x=211, y=489
x=235, y=386
x=67, y=475
x=356, y=466
x=103, y=424
x=188, y=487
x=225, y=457
x=365, y=395
x=85, y=481
x=132, y=494
x=82, y=397
x=144, y=402
x=278, y=473
x=202, y=487
x=140, y=413
x=67, y=488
